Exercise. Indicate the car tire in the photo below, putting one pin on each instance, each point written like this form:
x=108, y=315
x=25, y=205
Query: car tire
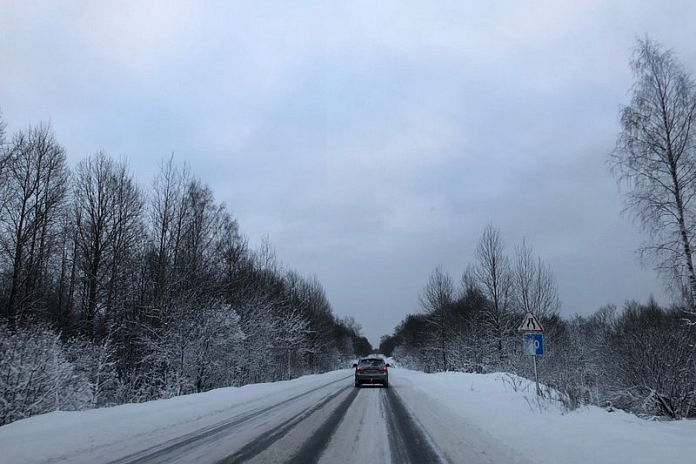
x=357, y=385
x=386, y=384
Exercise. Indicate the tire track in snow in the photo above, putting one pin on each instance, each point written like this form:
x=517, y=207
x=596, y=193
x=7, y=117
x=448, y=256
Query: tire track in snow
x=312, y=445
x=162, y=453
x=407, y=442
x=362, y=436
x=317, y=443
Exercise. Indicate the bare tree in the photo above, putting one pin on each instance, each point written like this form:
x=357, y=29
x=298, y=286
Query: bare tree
x=317, y=309
x=493, y=274
x=655, y=160
x=108, y=207
x=535, y=286
x=34, y=185
x=4, y=161
x=437, y=299
x=198, y=230
x=352, y=325
x=166, y=200
x=3, y=128
x=4, y=157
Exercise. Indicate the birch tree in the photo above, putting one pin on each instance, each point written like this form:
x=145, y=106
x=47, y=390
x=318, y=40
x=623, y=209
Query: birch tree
x=655, y=162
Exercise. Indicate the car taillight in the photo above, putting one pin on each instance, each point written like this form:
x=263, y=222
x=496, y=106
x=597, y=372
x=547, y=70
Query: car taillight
x=384, y=369
x=357, y=369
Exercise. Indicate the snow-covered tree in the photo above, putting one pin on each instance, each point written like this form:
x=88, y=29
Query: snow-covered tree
x=494, y=278
x=35, y=376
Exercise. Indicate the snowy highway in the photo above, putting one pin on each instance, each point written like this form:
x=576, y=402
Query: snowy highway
x=422, y=418
x=328, y=423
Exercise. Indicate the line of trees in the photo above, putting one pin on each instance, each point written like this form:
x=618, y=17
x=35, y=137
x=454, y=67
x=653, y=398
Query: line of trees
x=471, y=325
x=641, y=359
x=110, y=293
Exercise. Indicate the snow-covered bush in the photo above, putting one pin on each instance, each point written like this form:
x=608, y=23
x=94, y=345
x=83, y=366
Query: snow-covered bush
x=35, y=376
x=96, y=362
x=651, y=362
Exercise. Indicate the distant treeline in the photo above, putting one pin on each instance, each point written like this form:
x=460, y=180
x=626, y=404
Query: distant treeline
x=111, y=293
x=641, y=359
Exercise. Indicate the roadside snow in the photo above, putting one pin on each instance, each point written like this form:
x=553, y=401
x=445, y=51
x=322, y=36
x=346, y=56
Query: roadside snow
x=536, y=432
x=542, y=433
x=102, y=435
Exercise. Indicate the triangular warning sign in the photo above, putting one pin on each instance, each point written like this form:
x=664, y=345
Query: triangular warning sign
x=530, y=323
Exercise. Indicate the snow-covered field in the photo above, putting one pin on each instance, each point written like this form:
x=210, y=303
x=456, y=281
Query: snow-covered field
x=537, y=432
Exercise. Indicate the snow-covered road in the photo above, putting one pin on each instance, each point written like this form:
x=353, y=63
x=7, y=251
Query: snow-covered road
x=422, y=418
x=333, y=422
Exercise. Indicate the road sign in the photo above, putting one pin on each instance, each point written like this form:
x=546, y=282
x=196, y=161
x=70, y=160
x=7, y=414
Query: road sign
x=530, y=323
x=533, y=344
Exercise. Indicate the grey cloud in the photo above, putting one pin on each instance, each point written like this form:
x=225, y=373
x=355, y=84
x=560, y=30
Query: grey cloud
x=371, y=141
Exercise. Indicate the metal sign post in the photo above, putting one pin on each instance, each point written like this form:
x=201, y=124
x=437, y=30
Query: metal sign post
x=532, y=342
x=536, y=377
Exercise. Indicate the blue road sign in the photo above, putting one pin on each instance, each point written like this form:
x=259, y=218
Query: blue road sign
x=533, y=344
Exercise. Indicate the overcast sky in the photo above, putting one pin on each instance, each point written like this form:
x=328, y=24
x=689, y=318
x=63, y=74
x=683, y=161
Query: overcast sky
x=370, y=141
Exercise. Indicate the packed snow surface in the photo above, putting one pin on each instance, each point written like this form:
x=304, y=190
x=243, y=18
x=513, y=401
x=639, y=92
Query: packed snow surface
x=499, y=410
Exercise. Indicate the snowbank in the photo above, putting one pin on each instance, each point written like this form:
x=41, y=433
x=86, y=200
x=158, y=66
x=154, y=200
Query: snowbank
x=544, y=433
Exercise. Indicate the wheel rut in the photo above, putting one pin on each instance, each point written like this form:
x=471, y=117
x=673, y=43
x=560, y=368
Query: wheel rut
x=163, y=452
x=407, y=442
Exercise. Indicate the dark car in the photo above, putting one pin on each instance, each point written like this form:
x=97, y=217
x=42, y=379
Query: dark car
x=371, y=371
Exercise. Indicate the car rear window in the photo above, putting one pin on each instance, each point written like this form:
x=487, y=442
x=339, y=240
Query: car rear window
x=371, y=362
